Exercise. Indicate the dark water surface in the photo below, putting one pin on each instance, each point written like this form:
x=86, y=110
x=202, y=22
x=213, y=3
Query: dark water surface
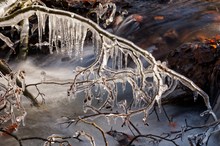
x=168, y=25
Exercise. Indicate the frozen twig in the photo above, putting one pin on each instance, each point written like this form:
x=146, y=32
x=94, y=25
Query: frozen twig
x=125, y=45
x=97, y=127
x=7, y=41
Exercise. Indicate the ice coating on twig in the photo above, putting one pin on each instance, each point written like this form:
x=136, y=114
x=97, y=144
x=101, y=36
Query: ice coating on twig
x=117, y=60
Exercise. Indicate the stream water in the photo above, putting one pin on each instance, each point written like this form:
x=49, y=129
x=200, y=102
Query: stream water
x=44, y=121
x=165, y=26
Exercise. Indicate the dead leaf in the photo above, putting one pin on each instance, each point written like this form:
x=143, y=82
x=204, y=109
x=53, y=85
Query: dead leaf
x=158, y=17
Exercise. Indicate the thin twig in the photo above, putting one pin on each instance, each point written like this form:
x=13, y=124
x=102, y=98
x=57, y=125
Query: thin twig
x=97, y=127
x=136, y=129
x=154, y=137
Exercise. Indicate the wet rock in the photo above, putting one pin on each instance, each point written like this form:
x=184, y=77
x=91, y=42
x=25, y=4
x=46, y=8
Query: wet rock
x=200, y=62
x=171, y=36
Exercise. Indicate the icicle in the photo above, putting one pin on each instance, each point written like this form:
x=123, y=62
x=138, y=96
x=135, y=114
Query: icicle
x=126, y=59
x=58, y=34
x=77, y=31
x=43, y=76
x=195, y=96
x=53, y=33
x=70, y=51
x=13, y=119
x=96, y=88
x=112, y=52
x=50, y=24
x=44, y=19
x=62, y=31
x=34, y=28
x=120, y=60
x=69, y=95
x=105, y=59
x=115, y=120
x=112, y=15
x=96, y=41
x=114, y=58
x=68, y=37
x=71, y=25
x=90, y=96
x=41, y=17
x=114, y=55
x=114, y=88
x=11, y=80
x=23, y=84
x=123, y=85
x=21, y=118
x=108, y=118
x=98, y=44
x=17, y=93
x=146, y=113
x=82, y=40
x=134, y=96
x=74, y=91
x=137, y=99
x=25, y=28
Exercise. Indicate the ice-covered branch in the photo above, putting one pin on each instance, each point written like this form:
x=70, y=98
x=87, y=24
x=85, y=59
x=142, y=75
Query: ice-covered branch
x=7, y=41
x=98, y=128
x=118, y=61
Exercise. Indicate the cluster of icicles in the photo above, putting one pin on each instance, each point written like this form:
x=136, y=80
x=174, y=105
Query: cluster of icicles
x=68, y=35
x=65, y=35
x=118, y=61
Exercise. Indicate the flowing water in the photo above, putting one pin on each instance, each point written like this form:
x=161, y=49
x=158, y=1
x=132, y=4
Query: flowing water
x=187, y=20
x=44, y=121
x=167, y=26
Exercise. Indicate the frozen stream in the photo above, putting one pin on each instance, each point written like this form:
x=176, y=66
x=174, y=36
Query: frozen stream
x=43, y=122
x=153, y=34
